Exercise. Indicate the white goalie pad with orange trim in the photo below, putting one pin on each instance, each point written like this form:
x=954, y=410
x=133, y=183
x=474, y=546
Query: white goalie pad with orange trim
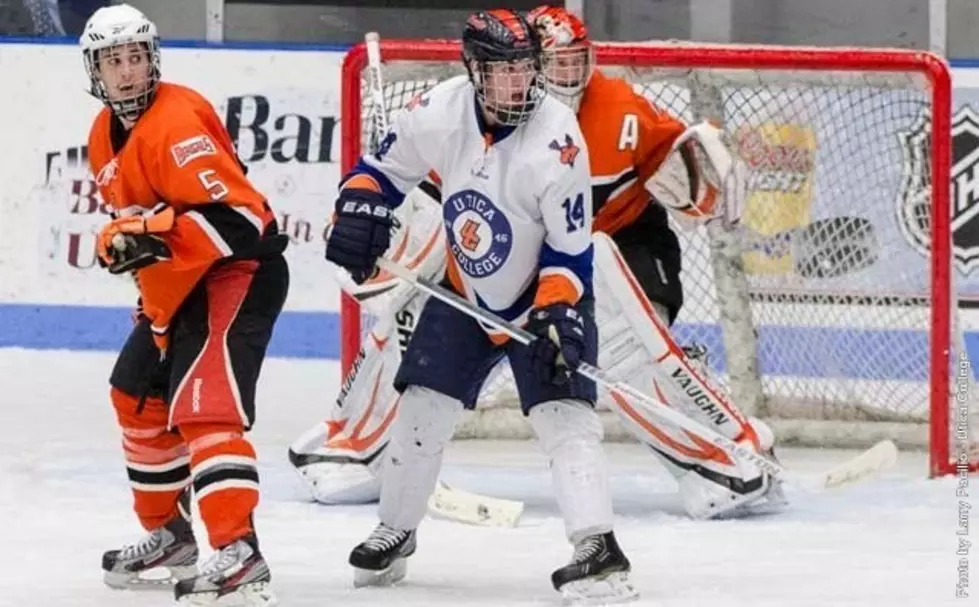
x=636, y=347
x=339, y=458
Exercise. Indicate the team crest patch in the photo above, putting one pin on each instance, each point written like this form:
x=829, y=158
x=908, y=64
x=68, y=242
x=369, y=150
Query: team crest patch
x=107, y=173
x=195, y=147
x=568, y=151
x=914, y=202
x=480, y=236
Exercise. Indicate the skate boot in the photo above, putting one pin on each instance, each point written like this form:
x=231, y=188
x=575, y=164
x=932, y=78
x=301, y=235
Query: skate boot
x=381, y=559
x=597, y=575
x=161, y=558
x=234, y=576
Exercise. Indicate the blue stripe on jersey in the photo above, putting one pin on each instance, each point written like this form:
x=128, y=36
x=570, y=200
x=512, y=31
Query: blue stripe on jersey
x=581, y=264
x=524, y=302
x=391, y=193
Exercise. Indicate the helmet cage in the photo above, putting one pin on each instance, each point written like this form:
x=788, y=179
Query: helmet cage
x=509, y=91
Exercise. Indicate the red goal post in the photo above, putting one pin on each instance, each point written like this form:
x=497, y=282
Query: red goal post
x=726, y=72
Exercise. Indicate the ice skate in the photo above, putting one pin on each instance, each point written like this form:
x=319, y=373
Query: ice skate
x=234, y=576
x=597, y=575
x=381, y=559
x=160, y=559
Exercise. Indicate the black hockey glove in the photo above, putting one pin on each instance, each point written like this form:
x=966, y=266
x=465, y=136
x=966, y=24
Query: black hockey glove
x=360, y=233
x=560, y=343
x=135, y=251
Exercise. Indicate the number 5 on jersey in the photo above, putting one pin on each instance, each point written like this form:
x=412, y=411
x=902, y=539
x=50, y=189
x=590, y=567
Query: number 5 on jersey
x=574, y=212
x=214, y=186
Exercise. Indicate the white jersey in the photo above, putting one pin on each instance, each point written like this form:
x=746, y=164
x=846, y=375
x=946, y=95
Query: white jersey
x=517, y=211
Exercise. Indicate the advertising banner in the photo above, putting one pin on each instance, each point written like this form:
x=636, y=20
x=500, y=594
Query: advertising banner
x=282, y=109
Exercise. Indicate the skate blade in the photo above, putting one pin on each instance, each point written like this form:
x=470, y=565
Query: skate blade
x=385, y=577
x=611, y=589
x=159, y=578
x=256, y=594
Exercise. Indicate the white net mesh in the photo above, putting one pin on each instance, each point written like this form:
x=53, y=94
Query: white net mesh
x=816, y=312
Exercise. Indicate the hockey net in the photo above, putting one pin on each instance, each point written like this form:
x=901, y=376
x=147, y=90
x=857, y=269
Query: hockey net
x=830, y=313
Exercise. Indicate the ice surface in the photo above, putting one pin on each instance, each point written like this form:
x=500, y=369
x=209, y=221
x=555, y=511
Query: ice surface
x=64, y=499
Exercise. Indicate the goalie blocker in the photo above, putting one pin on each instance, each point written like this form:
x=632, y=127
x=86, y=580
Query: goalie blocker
x=340, y=459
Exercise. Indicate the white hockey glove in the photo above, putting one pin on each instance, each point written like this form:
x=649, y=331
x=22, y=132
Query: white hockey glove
x=700, y=180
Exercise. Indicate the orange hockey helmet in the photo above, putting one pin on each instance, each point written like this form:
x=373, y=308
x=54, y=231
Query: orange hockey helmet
x=568, y=56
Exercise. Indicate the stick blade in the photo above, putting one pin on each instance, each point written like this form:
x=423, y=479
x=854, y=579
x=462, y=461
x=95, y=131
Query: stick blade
x=872, y=462
x=470, y=508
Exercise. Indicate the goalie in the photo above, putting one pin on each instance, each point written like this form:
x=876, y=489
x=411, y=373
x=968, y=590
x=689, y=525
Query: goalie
x=644, y=164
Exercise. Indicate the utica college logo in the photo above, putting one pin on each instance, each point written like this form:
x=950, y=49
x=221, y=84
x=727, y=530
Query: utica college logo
x=480, y=236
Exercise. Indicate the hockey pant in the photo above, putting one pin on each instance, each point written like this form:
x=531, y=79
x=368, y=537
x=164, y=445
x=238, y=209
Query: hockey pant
x=184, y=417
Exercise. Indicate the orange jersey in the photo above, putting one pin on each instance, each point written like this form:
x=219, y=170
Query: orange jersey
x=628, y=139
x=179, y=153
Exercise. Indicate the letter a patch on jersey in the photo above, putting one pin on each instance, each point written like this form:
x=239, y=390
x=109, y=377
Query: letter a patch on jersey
x=195, y=147
x=568, y=151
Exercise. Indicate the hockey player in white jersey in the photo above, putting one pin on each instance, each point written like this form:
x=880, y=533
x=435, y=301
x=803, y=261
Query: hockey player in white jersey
x=658, y=170
x=517, y=217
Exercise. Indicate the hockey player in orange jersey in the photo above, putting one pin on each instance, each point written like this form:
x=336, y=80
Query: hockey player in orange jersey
x=203, y=248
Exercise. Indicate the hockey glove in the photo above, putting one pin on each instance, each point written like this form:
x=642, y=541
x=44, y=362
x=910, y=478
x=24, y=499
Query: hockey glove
x=128, y=243
x=360, y=233
x=128, y=253
x=560, y=343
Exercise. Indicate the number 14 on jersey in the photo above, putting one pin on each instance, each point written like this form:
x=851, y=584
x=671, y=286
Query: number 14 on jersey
x=574, y=212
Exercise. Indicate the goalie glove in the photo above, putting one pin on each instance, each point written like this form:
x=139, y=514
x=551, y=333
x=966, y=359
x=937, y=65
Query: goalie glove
x=700, y=179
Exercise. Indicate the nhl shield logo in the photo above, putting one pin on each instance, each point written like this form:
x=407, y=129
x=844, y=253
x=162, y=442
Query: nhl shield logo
x=914, y=206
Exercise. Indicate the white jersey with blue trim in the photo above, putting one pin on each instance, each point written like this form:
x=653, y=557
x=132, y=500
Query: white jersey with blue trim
x=517, y=211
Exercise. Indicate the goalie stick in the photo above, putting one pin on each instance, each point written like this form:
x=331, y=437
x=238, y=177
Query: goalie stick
x=447, y=502
x=878, y=458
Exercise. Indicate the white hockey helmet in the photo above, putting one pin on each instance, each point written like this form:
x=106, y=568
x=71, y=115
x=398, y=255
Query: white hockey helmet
x=115, y=26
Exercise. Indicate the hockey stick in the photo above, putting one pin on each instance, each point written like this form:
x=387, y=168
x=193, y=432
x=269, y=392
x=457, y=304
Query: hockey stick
x=879, y=457
x=447, y=502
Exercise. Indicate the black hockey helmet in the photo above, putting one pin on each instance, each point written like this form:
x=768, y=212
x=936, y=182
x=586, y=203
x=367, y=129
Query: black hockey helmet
x=502, y=53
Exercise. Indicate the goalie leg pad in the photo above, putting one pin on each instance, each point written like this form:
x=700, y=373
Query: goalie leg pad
x=339, y=459
x=330, y=476
x=422, y=429
x=570, y=435
x=639, y=349
x=710, y=488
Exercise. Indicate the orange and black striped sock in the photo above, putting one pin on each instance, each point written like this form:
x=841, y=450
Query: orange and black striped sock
x=225, y=479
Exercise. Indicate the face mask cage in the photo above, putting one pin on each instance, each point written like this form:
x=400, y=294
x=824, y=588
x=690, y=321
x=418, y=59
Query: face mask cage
x=509, y=91
x=129, y=107
x=567, y=71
